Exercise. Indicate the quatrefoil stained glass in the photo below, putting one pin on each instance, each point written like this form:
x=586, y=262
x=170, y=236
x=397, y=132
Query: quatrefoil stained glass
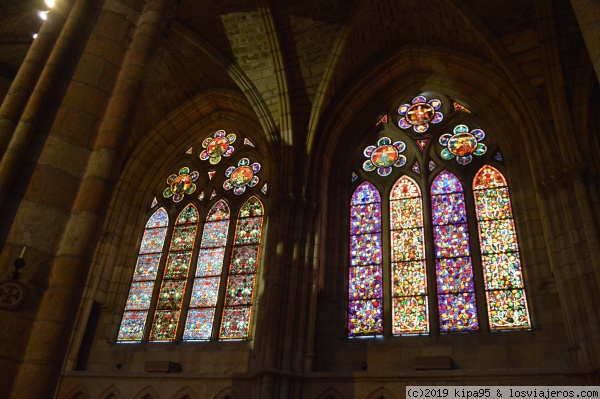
x=217, y=147
x=242, y=176
x=462, y=144
x=420, y=114
x=181, y=184
x=383, y=156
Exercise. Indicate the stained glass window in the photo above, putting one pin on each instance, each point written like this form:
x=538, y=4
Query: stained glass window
x=205, y=291
x=409, y=280
x=507, y=305
x=170, y=296
x=144, y=277
x=239, y=295
x=454, y=272
x=365, y=302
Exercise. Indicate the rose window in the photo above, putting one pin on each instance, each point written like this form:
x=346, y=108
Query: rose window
x=181, y=184
x=462, y=144
x=384, y=156
x=241, y=176
x=217, y=147
x=420, y=114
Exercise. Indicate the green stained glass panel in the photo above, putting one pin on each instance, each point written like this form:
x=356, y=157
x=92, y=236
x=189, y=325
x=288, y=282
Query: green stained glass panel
x=408, y=278
x=508, y=309
x=406, y=213
x=251, y=208
x=407, y=245
x=497, y=236
x=171, y=294
x=183, y=238
x=410, y=315
x=178, y=264
x=236, y=322
x=165, y=325
x=239, y=290
x=188, y=216
x=244, y=259
x=502, y=271
x=248, y=230
x=493, y=204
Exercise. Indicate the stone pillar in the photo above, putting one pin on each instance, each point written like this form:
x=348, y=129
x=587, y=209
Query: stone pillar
x=588, y=16
x=43, y=357
x=29, y=73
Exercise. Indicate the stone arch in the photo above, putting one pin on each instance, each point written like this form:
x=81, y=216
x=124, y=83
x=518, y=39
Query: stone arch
x=79, y=392
x=147, y=393
x=112, y=392
x=382, y=393
x=225, y=393
x=331, y=393
x=186, y=393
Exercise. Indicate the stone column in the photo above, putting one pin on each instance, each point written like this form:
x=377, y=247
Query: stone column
x=588, y=16
x=27, y=78
x=43, y=357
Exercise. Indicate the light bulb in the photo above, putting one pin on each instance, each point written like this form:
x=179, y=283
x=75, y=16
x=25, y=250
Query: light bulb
x=50, y=3
x=34, y=35
x=43, y=14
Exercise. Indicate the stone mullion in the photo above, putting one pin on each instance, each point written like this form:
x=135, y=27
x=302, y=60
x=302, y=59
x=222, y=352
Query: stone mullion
x=43, y=357
x=587, y=13
x=35, y=63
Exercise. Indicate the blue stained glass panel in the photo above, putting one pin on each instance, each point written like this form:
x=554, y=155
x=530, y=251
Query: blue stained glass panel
x=454, y=275
x=365, y=249
x=140, y=295
x=365, y=317
x=451, y=240
x=205, y=292
x=446, y=183
x=365, y=218
x=146, y=267
x=458, y=312
x=448, y=209
x=132, y=326
x=210, y=262
x=199, y=324
x=365, y=282
x=364, y=194
x=215, y=234
x=153, y=240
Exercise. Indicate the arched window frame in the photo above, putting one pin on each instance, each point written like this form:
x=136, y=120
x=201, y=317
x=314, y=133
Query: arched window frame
x=388, y=126
x=212, y=187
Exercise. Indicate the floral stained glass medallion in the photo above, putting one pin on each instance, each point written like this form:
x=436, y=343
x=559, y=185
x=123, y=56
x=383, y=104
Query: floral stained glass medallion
x=383, y=156
x=242, y=176
x=181, y=184
x=420, y=114
x=217, y=146
x=462, y=144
